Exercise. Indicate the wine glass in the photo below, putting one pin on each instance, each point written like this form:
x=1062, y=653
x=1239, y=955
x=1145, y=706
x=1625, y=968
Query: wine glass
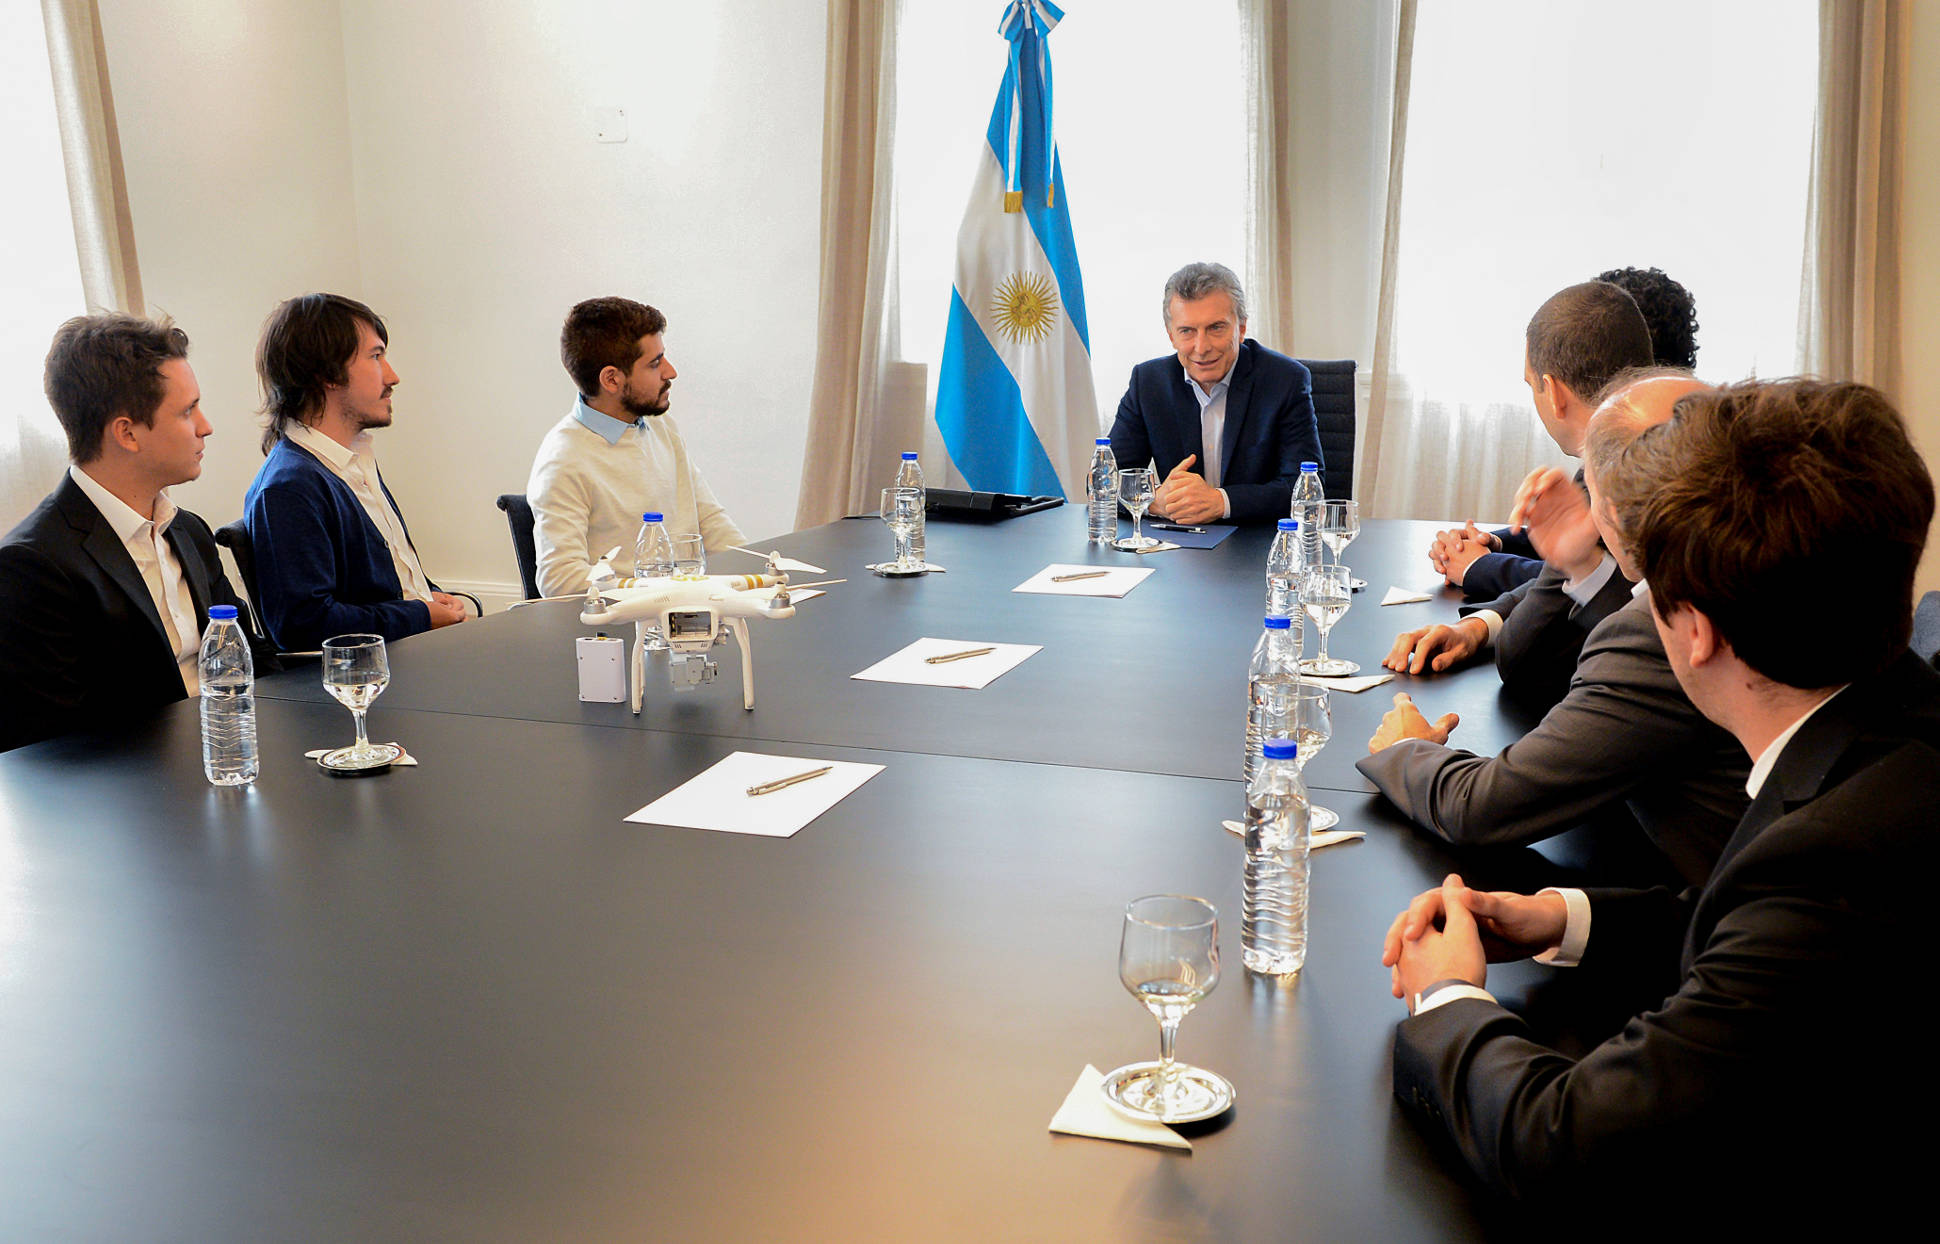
x=1168, y=957
x=355, y=671
x=1311, y=723
x=1135, y=488
x=1340, y=522
x=902, y=509
x=1325, y=594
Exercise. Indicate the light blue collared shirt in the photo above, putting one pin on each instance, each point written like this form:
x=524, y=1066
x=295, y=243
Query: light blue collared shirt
x=609, y=428
x=1212, y=421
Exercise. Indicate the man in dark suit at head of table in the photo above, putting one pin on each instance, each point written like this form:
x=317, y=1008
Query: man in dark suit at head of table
x=105, y=588
x=1224, y=422
x=1770, y=1077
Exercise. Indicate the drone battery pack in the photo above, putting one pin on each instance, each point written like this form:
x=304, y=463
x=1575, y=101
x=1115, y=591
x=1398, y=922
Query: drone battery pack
x=602, y=669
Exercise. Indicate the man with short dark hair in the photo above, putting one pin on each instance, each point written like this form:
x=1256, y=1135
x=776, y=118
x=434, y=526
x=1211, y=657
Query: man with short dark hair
x=617, y=453
x=1224, y=421
x=333, y=556
x=1765, y=1075
x=105, y=588
x=1576, y=342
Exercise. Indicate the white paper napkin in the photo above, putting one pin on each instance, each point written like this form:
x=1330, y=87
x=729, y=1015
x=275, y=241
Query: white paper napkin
x=908, y=665
x=1315, y=841
x=404, y=757
x=1402, y=596
x=1085, y=1112
x=1115, y=582
x=1359, y=682
x=717, y=798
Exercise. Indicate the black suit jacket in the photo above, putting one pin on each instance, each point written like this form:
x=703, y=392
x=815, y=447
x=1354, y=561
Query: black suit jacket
x=1270, y=428
x=1778, y=1076
x=80, y=642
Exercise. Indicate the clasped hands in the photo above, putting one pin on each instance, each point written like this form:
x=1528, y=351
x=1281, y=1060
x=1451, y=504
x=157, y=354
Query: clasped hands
x=1184, y=496
x=1552, y=507
x=1454, y=933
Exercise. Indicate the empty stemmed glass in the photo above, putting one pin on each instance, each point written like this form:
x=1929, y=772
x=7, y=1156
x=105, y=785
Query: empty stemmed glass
x=1168, y=957
x=1311, y=724
x=1135, y=488
x=355, y=671
x=1340, y=522
x=1325, y=594
x=902, y=510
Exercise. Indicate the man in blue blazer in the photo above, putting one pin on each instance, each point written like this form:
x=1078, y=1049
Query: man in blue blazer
x=1225, y=422
x=333, y=556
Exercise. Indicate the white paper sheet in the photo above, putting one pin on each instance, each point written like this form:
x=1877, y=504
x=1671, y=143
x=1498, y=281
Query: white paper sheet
x=1085, y=1112
x=717, y=797
x=907, y=665
x=1115, y=582
x=1359, y=682
x=1402, y=596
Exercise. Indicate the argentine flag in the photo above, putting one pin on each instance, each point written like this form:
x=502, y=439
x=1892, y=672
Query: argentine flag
x=1014, y=399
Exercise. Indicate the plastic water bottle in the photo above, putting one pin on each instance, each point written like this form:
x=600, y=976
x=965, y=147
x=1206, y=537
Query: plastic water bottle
x=1273, y=913
x=653, y=548
x=1270, y=684
x=1307, y=496
x=910, y=475
x=228, y=701
x=1283, y=566
x=1101, y=493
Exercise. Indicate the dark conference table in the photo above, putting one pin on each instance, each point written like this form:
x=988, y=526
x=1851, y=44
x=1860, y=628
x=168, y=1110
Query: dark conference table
x=466, y=1000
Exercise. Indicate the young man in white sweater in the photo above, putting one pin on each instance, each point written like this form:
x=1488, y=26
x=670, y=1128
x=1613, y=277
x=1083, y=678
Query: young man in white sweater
x=616, y=454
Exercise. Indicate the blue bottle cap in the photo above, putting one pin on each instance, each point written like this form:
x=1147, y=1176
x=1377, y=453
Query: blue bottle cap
x=1289, y=524
x=1278, y=624
x=1310, y=466
x=1281, y=749
x=222, y=613
x=651, y=516
x=909, y=457
x=1103, y=440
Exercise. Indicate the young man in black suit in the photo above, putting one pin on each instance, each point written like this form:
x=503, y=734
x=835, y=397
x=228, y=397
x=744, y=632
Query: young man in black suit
x=105, y=588
x=1774, y=1081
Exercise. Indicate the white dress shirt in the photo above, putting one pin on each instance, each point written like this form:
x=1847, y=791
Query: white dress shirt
x=1212, y=429
x=356, y=466
x=147, y=543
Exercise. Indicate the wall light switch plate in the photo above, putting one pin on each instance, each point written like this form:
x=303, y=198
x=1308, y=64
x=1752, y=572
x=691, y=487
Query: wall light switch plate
x=609, y=125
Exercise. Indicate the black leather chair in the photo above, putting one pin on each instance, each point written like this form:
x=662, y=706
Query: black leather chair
x=518, y=516
x=1334, y=411
x=1926, y=627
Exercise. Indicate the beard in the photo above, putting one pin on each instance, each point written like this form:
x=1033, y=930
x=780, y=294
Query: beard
x=640, y=407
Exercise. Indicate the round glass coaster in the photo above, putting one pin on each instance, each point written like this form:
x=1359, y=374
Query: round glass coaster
x=1126, y=544
x=347, y=760
x=1332, y=667
x=1201, y=1094
x=890, y=570
x=1320, y=819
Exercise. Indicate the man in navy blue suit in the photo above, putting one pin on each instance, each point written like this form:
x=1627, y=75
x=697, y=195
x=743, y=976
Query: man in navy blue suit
x=1225, y=422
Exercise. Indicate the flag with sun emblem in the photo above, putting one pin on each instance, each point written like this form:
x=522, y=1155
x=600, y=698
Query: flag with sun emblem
x=1014, y=399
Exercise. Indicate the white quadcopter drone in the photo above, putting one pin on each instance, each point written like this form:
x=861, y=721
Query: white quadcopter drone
x=687, y=616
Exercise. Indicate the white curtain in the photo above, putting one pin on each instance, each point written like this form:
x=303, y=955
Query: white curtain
x=867, y=404
x=1511, y=178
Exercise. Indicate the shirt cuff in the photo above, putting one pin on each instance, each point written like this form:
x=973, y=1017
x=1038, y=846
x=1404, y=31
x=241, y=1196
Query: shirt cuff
x=1584, y=590
x=1225, y=504
x=1442, y=992
x=1492, y=620
x=1576, y=929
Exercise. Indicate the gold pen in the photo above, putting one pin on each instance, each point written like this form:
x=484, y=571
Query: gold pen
x=769, y=788
x=957, y=656
x=1089, y=574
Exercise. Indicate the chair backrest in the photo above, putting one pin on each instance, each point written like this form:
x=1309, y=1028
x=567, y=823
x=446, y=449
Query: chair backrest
x=1926, y=628
x=518, y=516
x=235, y=537
x=1334, y=411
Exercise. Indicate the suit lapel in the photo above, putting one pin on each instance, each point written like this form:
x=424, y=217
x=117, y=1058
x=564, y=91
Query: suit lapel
x=193, y=571
x=100, y=542
x=1191, y=437
x=1239, y=399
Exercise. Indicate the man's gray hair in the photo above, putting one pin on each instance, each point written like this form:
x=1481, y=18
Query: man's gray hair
x=1196, y=280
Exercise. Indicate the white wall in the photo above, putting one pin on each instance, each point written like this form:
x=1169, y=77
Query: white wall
x=237, y=148
x=437, y=161
x=485, y=209
x=1919, y=395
